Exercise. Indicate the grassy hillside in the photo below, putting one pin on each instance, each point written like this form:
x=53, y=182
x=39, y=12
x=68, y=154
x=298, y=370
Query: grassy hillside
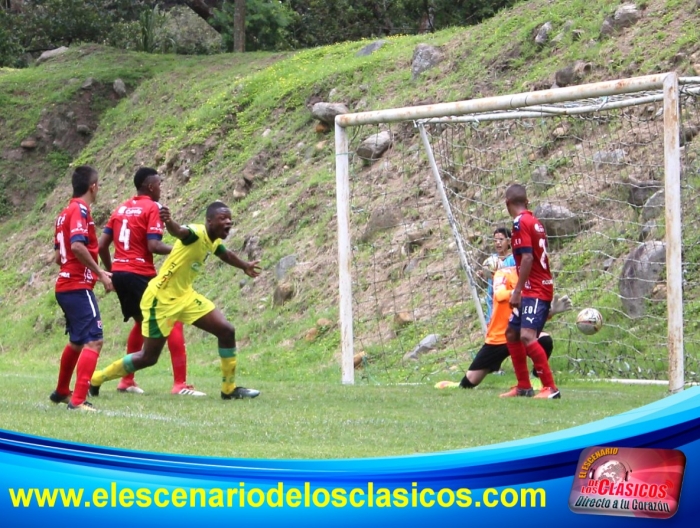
x=211, y=120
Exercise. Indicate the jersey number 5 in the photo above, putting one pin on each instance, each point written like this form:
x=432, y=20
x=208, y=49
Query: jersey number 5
x=124, y=234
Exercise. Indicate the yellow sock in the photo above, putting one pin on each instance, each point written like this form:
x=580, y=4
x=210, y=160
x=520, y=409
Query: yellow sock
x=228, y=374
x=116, y=370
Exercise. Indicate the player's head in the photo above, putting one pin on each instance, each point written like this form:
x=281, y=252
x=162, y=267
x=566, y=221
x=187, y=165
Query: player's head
x=85, y=183
x=516, y=199
x=501, y=240
x=147, y=182
x=218, y=220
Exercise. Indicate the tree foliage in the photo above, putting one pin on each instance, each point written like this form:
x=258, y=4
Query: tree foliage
x=151, y=25
x=266, y=24
x=323, y=22
x=10, y=48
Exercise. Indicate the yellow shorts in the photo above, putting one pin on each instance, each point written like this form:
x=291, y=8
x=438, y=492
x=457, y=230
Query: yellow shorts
x=160, y=316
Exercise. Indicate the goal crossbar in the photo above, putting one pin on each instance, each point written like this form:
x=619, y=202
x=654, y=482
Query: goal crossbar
x=530, y=104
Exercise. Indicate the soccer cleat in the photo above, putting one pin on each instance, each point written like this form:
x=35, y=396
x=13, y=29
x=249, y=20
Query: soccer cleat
x=85, y=406
x=183, y=389
x=93, y=390
x=548, y=393
x=57, y=398
x=515, y=392
x=446, y=384
x=131, y=389
x=239, y=393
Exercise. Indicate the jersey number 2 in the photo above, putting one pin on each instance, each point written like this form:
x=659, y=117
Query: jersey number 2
x=543, y=258
x=124, y=234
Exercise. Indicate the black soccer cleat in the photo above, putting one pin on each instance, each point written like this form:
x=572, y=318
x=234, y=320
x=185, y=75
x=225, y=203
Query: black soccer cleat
x=94, y=390
x=57, y=398
x=239, y=393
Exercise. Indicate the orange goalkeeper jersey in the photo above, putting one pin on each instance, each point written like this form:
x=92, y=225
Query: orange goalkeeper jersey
x=504, y=281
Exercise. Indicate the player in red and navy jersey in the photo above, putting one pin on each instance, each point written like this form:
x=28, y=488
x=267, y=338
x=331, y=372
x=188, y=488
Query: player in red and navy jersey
x=75, y=246
x=531, y=298
x=137, y=232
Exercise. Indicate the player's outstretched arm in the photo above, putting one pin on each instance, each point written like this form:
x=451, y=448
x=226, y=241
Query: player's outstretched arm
x=158, y=247
x=249, y=268
x=171, y=225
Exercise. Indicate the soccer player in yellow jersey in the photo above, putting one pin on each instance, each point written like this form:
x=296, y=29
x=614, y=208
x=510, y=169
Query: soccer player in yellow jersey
x=170, y=297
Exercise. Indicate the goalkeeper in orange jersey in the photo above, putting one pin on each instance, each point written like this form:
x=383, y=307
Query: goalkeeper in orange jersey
x=494, y=350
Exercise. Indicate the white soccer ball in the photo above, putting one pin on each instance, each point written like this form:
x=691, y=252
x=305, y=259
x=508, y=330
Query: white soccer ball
x=589, y=321
x=492, y=264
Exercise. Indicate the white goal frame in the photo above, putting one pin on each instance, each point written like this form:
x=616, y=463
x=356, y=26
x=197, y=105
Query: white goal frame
x=668, y=82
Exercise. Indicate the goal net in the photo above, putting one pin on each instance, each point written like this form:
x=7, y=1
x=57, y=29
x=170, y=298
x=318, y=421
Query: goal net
x=611, y=169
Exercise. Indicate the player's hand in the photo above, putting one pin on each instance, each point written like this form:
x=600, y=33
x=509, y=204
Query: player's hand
x=560, y=304
x=515, y=298
x=106, y=280
x=164, y=213
x=252, y=269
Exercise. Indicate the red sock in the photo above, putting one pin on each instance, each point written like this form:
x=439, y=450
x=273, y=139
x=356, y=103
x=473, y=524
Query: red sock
x=539, y=358
x=178, y=353
x=134, y=343
x=519, y=358
x=69, y=358
x=86, y=367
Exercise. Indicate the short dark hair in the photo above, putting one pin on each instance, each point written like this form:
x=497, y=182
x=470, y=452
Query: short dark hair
x=83, y=177
x=142, y=175
x=214, y=208
x=503, y=231
x=517, y=194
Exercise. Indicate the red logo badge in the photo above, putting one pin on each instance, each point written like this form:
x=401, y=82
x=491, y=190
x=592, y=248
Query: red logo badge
x=627, y=481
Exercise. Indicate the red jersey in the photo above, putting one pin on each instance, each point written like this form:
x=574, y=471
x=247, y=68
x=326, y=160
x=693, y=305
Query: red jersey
x=131, y=225
x=75, y=224
x=528, y=236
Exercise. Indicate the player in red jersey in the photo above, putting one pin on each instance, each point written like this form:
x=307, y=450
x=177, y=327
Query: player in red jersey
x=137, y=232
x=531, y=298
x=75, y=246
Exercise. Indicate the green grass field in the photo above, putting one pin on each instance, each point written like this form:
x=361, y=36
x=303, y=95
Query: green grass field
x=299, y=420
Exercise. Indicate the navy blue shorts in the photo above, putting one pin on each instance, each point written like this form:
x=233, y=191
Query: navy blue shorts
x=83, y=321
x=532, y=314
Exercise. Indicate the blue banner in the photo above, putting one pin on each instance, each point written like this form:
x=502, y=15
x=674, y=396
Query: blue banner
x=45, y=482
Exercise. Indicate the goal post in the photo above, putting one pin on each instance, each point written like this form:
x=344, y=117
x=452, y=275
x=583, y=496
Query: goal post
x=468, y=173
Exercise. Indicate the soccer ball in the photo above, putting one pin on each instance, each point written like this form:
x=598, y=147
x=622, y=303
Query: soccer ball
x=492, y=264
x=589, y=321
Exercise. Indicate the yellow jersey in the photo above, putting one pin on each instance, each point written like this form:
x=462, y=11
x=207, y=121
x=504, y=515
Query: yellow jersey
x=504, y=281
x=180, y=269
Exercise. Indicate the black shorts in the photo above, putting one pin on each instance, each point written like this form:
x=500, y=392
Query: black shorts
x=490, y=357
x=130, y=288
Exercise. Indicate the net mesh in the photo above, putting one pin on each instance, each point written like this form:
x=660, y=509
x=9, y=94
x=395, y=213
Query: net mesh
x=594, y=171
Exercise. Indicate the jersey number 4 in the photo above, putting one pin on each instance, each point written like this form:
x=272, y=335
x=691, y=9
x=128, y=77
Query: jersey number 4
x=124, y=234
